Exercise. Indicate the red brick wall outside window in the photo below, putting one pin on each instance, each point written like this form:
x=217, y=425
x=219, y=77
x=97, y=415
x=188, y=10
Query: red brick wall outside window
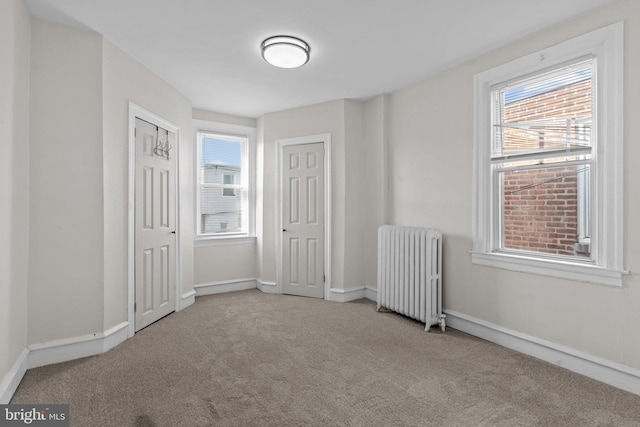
x=541, y=205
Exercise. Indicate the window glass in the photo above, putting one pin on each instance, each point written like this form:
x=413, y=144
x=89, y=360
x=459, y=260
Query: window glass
x=541, y=160
x=223, y=193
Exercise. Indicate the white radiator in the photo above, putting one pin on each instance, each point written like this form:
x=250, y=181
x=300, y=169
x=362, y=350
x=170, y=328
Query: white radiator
x=410, y=273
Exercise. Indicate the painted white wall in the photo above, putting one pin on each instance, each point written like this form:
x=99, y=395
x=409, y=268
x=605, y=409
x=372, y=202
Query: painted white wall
x=344, y=121
x=224, y=262
x=213, y=116
x=66, y=196
x=15, y=35
x=430, y=165
x=312, y=120
x=375, y=190
x=81, y=86
x=124, y=80
x=260, y=202
x=355, y=203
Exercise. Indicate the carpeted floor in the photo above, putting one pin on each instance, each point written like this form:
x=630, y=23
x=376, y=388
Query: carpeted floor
x=254, y=359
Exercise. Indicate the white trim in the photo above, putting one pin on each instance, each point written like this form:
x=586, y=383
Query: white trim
x=235, y=285
x=547, y=267
x=267, y=287
x=136, y=111
x=188, y=299
x=224, y=241
x=371, y=293
x=324, y=138
x=354, y=293
x=12, y=379
x=76, y=347
x=224, y=286
x=606, y=371
x=349, y=294
x=114, y=336
x=606, y=45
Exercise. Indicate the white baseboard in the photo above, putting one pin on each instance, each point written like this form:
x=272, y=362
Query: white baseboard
x=606, y=371
x=77, y=347
x=348, y=294
x=114, y=336
x=11, y=381
x=57, y=351
x=224, y=286
x=267, y=287
x=371, y=293
x=187, y=299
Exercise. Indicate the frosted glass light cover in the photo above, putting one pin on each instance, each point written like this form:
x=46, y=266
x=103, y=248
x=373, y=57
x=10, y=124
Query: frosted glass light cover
x=285, y=51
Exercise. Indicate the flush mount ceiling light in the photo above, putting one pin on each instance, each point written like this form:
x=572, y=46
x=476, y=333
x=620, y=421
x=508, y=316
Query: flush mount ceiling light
x=285, y=51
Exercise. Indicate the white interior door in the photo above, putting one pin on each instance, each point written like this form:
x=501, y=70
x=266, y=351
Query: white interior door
x=303, y=220
x=155, y=223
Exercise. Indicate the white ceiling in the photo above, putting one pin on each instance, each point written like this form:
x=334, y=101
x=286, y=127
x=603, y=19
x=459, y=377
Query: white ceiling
x=209, y=49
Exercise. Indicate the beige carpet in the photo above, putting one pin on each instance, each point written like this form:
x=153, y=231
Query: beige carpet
x=253, y=359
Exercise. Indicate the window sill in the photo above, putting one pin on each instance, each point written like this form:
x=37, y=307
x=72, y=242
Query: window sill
x=548, y=267
x=224, y=241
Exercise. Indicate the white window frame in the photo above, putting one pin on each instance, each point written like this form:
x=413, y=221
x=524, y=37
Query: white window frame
x=248, y=167
x=606, y=45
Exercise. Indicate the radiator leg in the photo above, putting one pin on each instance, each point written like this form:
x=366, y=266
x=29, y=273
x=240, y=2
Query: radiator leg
x=442, y=322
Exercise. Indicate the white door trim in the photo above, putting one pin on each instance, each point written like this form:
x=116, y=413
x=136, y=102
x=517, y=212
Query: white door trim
x=136, y=111
x=324, y=138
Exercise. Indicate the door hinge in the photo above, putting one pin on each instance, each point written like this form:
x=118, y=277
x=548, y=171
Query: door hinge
x=135, y=307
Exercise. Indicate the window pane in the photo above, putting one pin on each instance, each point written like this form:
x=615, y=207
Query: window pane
x=220, y=214
x=221, y=191
x=220, y=174
x=221, y=157
x=542, y=210
x=547, y=112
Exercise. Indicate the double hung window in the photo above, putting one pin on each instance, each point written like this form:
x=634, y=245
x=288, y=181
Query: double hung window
x=547, y=161
x=541, y=158
x=224, y=178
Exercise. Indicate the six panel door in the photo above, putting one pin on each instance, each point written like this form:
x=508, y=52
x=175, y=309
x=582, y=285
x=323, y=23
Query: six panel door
x=155, y=224
x=303, y=220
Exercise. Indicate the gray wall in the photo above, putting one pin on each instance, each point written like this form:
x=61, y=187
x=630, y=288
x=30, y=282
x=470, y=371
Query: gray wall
x=344, y=121
x=81, y=86
x=66, y=193
x=124, y=80
x=430, y=164
x=224, y=263
x=15, y=34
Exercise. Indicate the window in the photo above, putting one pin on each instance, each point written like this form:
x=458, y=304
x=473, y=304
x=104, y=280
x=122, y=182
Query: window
x=548, y=151
x=541, y=155
x=227, y=189
x=224, y=180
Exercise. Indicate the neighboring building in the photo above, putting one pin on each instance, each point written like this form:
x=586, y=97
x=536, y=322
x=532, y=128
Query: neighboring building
x=545, y=209
x=221, y=205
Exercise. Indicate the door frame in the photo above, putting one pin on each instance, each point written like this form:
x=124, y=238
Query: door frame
x=135, y=111
x=325, y=139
